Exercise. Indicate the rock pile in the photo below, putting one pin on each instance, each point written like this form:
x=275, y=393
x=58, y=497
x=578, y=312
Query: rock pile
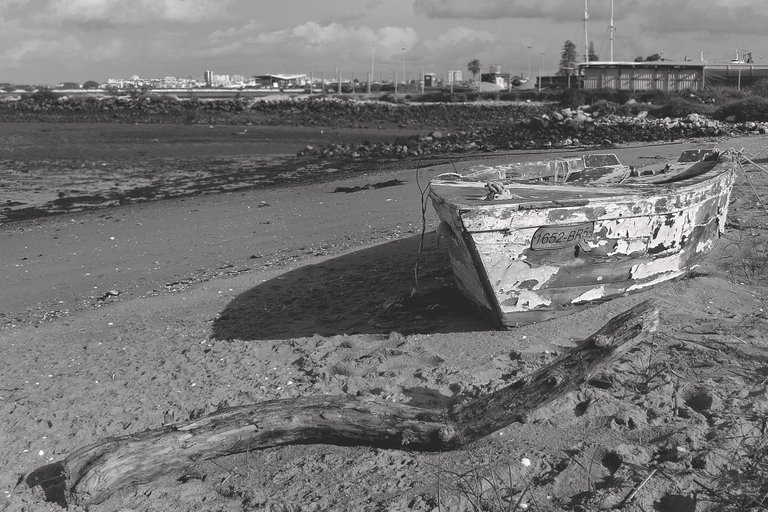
x=558, y=129
x=450, y=127
x=291, y=111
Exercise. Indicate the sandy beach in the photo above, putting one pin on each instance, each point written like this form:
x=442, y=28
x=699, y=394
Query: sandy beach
x=130, y=317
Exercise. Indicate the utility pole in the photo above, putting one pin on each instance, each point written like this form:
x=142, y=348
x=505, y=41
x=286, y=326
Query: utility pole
x=373, y=51
x=541, y=66
x=586, y=36
x=612, y=28
x=404, y=83
x=529, y=60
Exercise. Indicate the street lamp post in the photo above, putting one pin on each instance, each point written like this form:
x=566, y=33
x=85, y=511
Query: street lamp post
x=541, y=66
x=373, y=50
x=404, y=83
x=529, y=60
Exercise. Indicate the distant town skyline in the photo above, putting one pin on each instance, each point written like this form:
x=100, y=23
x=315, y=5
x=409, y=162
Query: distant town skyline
x=54, y=41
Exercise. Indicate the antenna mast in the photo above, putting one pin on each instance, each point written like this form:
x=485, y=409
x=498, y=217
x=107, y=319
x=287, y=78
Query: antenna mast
x=612, y=29
x=586, y=37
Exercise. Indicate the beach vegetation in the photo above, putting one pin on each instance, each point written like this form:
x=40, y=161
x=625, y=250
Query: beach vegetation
x=43, y=95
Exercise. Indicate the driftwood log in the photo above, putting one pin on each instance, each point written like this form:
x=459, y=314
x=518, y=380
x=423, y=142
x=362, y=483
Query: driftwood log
x=92, y=473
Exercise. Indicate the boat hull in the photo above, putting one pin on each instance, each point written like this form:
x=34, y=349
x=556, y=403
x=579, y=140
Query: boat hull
x=524, y=263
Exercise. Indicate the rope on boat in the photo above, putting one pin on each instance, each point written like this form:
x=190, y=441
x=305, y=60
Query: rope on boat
x=424, y=198
x=746, y=175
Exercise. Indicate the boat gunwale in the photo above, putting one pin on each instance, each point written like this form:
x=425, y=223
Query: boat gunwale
x=637, y=191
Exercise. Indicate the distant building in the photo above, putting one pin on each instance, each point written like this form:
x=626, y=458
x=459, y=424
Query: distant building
x=454, y=76
x=281, y=81
x=168, y=82
x=667, y=76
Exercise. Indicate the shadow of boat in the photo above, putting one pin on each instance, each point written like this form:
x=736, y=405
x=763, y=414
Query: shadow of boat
x=367, y=291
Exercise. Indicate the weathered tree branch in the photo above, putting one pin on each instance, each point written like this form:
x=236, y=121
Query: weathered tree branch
x=92, y=473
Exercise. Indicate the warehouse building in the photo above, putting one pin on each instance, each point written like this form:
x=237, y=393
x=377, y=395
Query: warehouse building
x=664, y=76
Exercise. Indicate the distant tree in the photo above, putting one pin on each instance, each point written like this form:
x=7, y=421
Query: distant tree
x=44, y=94
x=591, y=51
x=138, y=91
x=91, y=84
x=649, y=58
x=474, y=67
x=567, y=59
x=69, y=85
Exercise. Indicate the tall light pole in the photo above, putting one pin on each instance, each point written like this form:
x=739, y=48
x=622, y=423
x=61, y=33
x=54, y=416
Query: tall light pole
x=586, y=36
x=529, y=60
x=541, y=66
x=612, y=28
x=373, y=51
x=403, y=68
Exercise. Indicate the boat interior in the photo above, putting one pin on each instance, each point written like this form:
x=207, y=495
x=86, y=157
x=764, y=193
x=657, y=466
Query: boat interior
x=593, y=169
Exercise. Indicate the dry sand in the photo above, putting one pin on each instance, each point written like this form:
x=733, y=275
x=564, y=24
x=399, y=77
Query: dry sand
x=128, y=318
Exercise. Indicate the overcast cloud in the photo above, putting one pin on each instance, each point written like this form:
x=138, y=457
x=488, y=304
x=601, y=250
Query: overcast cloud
x=51, y=41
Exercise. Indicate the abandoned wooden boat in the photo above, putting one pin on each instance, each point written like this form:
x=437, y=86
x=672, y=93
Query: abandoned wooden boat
x=534, y=240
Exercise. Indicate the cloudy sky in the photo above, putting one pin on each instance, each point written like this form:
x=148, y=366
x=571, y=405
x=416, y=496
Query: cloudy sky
x=51, y=41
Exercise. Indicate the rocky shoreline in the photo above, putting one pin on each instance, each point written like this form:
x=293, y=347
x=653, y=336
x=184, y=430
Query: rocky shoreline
x=112, y=151
x=567, y=128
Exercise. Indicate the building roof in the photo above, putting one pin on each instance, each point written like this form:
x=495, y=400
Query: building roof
x=647, y=63
x=279, y=77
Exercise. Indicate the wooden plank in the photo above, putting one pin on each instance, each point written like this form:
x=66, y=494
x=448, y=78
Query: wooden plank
x=468, y=195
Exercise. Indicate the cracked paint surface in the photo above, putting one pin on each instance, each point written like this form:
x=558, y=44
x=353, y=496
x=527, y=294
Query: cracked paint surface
x=643, y=235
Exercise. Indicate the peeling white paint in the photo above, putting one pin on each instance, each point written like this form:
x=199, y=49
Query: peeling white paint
x=593, y=294
x=630, y=218
x=655, y=267
x=526, y=300
x=660, y=279
x=637, y=245
x=705, y=245
x=511, y=274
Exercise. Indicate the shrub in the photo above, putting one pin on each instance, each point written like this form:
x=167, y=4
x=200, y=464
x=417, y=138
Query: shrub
x=751, y=108
x=43, y=94
x=574, y=97
x=722, y=94
x=392, y=98
x=605, y=107
x=760, y=88
x=678, y=106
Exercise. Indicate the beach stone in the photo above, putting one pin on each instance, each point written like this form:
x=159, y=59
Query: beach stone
x=676, y=503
